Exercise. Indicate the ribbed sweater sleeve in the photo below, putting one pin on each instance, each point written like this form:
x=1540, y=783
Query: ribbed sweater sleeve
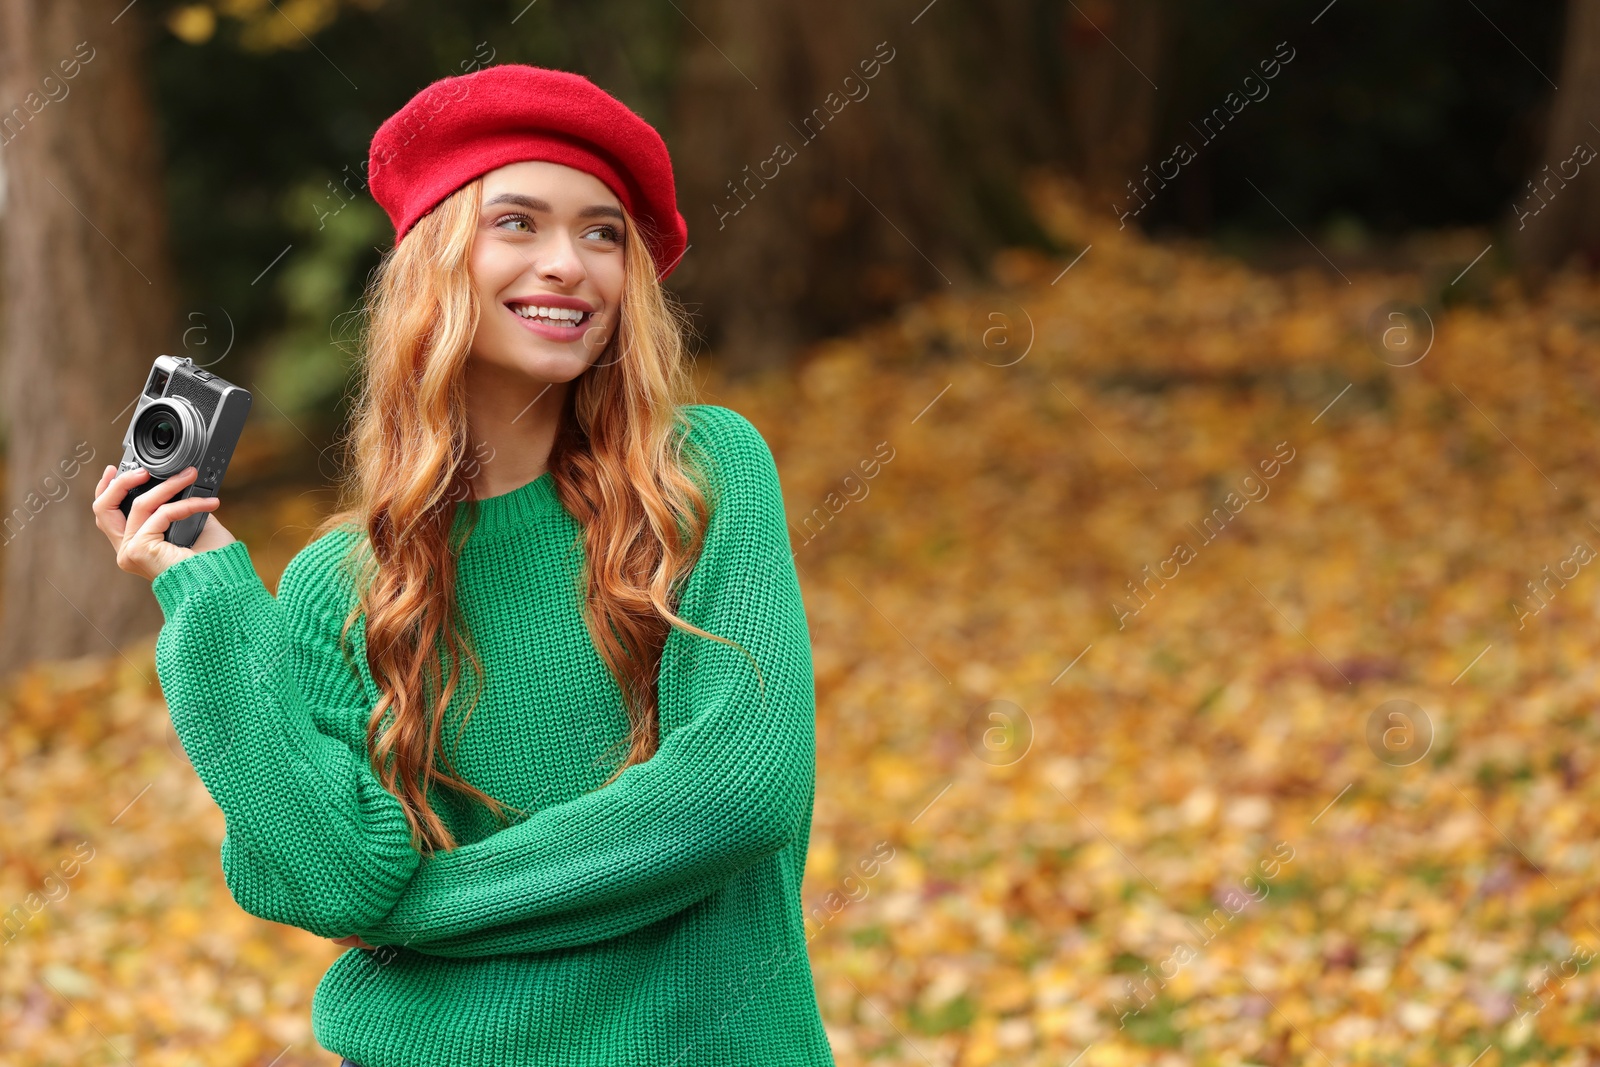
x=254, y=685
x=729, y=786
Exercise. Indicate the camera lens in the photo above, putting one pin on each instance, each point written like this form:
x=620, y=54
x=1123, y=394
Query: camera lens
x=167, y=436
x=162, y=435
x=157, y=435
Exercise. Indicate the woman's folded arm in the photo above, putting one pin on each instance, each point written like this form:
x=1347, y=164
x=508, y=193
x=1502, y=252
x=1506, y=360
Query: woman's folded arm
x=256, y=686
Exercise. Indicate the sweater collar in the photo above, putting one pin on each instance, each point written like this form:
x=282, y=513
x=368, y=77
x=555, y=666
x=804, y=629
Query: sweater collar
x=515, y=511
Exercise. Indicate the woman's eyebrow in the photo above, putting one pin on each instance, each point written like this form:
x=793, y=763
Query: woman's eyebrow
x=533, y=203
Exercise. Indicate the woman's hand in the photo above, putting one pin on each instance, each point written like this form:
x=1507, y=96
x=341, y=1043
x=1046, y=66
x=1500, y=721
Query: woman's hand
x=140, y=538
x=353, y=941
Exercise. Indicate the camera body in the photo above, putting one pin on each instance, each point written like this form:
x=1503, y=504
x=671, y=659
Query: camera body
x=185, y=417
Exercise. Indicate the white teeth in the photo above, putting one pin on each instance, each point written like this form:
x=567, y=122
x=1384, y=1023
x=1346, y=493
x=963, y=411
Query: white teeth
x=553, y=316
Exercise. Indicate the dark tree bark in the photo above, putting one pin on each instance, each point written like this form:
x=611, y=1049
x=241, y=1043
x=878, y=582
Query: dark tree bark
x=89, y=304
x=1557, y=212
x=1114, y=58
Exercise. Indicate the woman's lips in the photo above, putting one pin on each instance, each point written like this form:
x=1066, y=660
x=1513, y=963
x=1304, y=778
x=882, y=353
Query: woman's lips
x=568, y=334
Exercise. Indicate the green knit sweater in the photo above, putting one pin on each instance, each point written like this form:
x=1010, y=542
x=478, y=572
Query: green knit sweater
x=657, y=920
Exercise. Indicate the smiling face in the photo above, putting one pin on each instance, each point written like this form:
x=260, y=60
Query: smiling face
x=547, y=263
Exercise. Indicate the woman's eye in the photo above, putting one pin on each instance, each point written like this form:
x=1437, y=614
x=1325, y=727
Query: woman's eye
x=523, y=224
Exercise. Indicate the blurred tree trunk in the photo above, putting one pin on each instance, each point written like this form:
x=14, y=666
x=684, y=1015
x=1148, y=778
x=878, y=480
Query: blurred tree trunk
x=1114, y=57
x=863, y=155
x=1557, y=212
x=89, y=305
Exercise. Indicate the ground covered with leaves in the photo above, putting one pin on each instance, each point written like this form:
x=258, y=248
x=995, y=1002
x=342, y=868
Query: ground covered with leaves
x=1205, y=672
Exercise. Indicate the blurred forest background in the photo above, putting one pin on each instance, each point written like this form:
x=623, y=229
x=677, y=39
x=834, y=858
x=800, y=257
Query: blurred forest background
x=1373, y=258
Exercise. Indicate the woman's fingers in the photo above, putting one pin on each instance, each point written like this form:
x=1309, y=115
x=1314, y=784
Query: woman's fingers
x=168, y=514
x=110, y=498
x=139, y=514
x=107, y=505
x=97, y=506
x=353, y=941
x=155, y=527
x=140, y=537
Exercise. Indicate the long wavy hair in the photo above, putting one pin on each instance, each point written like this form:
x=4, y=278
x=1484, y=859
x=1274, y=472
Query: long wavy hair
x=617, y=466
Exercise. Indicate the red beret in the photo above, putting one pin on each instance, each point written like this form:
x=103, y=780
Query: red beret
x=462, y=127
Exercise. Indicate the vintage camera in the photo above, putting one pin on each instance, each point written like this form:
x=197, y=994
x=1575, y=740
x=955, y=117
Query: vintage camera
x=184, y=418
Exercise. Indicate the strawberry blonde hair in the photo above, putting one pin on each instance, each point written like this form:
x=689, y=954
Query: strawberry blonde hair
x=615, y=465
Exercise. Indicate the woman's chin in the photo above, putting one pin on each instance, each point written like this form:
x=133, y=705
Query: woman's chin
x=541, y=362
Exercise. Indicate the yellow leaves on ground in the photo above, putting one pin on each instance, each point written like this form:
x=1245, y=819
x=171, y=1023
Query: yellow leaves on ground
x=1194, y=808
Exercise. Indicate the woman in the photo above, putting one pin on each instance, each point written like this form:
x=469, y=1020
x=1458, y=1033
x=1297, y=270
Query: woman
x=604, y=867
